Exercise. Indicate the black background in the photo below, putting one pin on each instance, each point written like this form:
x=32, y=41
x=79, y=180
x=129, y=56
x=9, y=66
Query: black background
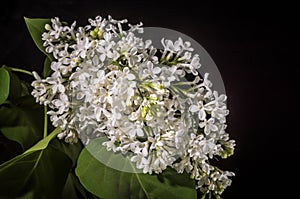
x=255, y=46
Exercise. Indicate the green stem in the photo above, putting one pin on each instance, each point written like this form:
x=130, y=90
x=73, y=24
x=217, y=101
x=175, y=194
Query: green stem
x=45, y=121
x=204, y=196
x=146, y=131
x=20, y=70
x=178, y=90
x=182, y=83
x=141, y=94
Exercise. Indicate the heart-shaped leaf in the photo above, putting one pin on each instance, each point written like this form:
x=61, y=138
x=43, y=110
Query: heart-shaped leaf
x=109, y=183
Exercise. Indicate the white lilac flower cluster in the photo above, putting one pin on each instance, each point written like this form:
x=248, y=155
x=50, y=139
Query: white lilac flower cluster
x=149, y=102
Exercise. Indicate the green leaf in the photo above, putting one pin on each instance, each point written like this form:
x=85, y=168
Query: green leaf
x=72, y=150
x=25, y=88
x=38, y=146
x=74, y=189
x=27, y=195
x=15, y=87
x=109, y=183
x=69, y=190
x=47, y=68
x=20, y=134
x=22, y=122
x=41, y=169
x=4, y=84
x=36, y=28
x=8, y=149
x=44, y=142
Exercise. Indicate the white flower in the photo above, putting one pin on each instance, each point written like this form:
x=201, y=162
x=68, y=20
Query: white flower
x=195, y=64
x=134, y=129
x=156, y=143
x=98, y=22
x=183, y=165
x=208, y=147
x=142, y=162
x=150, y=70
x=56, y=29
x=200, y=108
x=82, y=46
x=56, y=85
x=107, y=82
x=62, y=103
x=170, y=46
x=99, y=111
x=208, y=125
x=105, y=47
x=58, y=120
x=195, y=148
x=39, y=88
x=110, y=145
x=168, y=75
